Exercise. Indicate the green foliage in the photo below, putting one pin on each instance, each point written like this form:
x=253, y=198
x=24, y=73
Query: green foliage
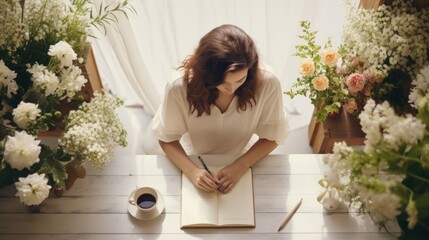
x=326, y=101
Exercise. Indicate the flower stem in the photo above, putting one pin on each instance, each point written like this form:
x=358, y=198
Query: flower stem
x=418, y=177
x=22, y=3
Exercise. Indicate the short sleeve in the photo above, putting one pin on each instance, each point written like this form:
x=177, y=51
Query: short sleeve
x=169, y=123
x=273, y=124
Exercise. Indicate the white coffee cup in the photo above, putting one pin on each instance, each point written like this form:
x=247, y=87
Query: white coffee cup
x=145, y=199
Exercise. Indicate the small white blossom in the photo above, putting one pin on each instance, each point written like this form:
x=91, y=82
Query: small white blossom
x=22, y=150
x=25, y=113
x=63, y=52
x=33, y=189
x=394, y=34
x=7, y=80
x=94, y=130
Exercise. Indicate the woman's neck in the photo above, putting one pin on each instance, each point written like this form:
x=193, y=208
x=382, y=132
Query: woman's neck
x=223, y=101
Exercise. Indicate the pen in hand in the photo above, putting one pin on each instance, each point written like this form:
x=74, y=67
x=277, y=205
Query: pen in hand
x=290, y=215
x=205, y=167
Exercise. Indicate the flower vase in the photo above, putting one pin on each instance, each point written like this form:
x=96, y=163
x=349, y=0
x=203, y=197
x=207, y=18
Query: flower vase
x=74, y=171
x=336, y=128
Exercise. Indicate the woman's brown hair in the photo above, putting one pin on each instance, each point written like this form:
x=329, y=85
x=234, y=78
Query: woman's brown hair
x=224, y=49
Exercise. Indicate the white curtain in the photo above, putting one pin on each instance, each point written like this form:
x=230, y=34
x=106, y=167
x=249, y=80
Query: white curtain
x=138, y=55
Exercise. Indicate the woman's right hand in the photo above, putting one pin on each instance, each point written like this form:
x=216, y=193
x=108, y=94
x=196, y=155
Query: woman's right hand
x=203, y=179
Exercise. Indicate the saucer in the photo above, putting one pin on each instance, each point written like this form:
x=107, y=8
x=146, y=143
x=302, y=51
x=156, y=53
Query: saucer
x=134, y=211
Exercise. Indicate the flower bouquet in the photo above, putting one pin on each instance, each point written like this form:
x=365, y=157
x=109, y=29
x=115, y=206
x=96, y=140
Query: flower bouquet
x=42, y=51
x=381, y=52
x=389, y=179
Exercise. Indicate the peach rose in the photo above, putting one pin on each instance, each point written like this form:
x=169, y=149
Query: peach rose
x=330, y=57
x=350, y=106
x=320, y=83
x=355, y=82
x=307, y=67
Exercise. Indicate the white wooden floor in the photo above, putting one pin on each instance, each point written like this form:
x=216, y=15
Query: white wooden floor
x=96, y=206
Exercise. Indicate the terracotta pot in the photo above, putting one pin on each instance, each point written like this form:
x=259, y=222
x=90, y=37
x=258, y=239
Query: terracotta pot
x=74, y=171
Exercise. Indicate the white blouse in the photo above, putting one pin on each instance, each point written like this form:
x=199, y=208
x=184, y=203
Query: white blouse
x=221, y=133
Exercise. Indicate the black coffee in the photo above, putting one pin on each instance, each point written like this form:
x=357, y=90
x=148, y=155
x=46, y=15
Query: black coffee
x=146, y=201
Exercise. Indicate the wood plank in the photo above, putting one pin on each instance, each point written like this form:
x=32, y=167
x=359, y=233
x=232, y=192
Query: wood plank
x=256, y=236
x=118, y=204
x=169, y=223
x=170, y=185
x=136, y=165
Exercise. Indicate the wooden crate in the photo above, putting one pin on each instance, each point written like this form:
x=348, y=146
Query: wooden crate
x=373, y=4
x=341, y=127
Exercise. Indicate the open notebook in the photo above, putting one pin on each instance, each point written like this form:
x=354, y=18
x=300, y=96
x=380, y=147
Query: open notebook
x=202, y=209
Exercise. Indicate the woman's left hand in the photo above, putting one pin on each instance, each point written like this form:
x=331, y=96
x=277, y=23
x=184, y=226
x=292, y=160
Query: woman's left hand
x=229, y=176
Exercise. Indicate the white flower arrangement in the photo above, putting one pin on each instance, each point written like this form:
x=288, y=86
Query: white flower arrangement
x=42, y=51
x=390, y=37
x=389, y=179
x=93, y=130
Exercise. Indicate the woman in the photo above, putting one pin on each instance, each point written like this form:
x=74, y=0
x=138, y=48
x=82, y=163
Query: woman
x=222, y=99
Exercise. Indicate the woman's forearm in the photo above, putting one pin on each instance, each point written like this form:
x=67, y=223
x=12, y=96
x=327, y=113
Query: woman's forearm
x=178, y=156
x=258, y=151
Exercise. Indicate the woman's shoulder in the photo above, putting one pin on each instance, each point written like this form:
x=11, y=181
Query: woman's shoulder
x=268, y=81
x=176, y=85
x=176, y=77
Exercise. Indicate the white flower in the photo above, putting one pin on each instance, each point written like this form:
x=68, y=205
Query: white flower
x=63, y=52
x=390, y=37
x=421, y=87
x=388, y=205
x=44, y=79
x=33, y=189
x=408, y=131
x=24, y=113
x=71, y=82
x=94, y=130
x=7, y=80
x=22, y=150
